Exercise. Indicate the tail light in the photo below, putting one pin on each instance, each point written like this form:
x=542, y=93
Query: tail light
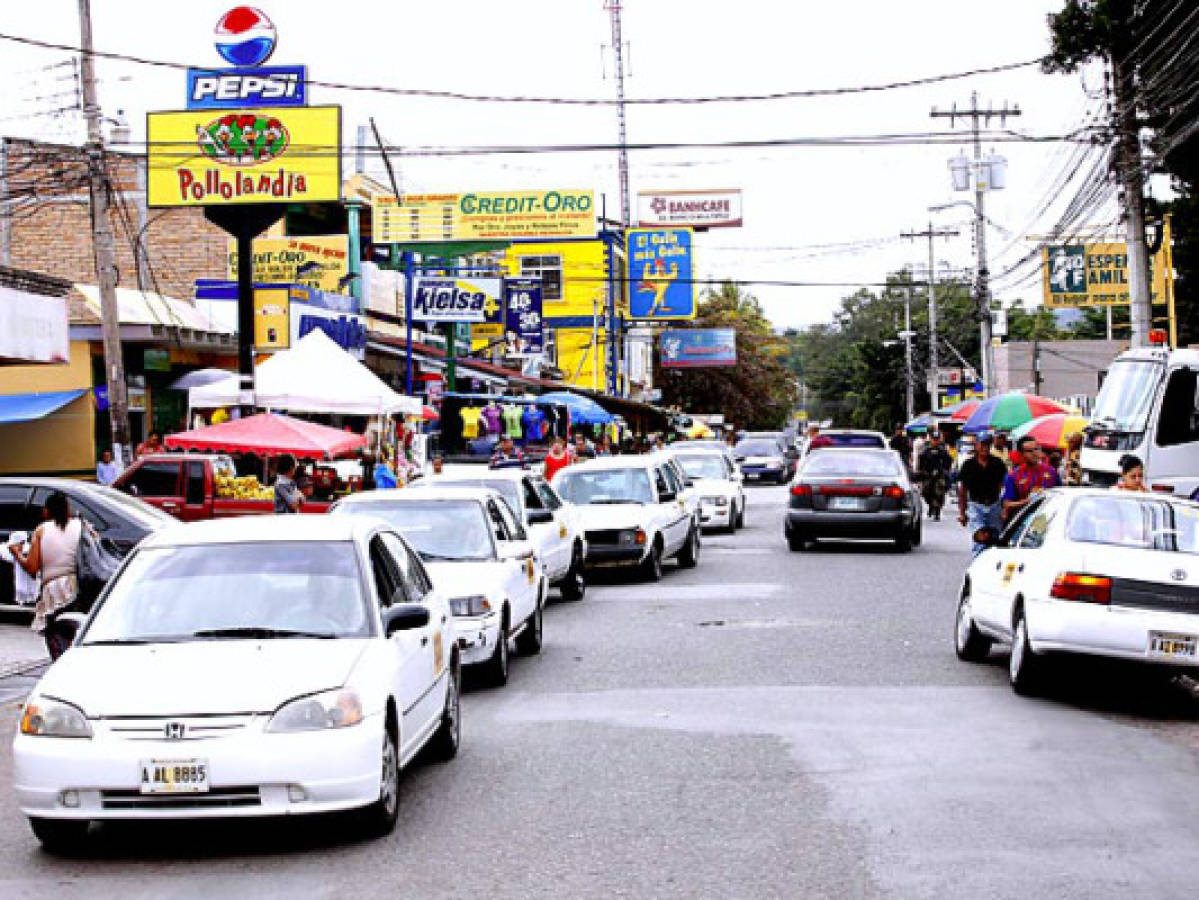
x=1163, y=488
x=801, y=490
x=895, y=492
x=1082, y=588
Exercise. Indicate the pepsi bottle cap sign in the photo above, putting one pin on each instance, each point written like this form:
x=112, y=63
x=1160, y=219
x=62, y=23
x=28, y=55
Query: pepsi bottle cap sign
x=245, y=36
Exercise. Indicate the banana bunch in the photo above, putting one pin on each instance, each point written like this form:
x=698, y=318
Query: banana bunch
x=243, y=488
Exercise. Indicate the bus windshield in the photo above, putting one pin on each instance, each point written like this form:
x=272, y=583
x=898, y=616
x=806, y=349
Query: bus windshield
x=1127, y=394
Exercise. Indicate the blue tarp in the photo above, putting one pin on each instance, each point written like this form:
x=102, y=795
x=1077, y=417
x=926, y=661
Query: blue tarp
x=583, y=410
x=28, y=407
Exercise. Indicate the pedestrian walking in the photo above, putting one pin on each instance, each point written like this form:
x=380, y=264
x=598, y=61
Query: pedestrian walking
x=508, y=456
x=980, y=489
x=932, y=470
x=438, y=464
x=108, y=469
x=1072, y=462
x=385, y=475
x=557, y=459
x=582, y=449
x=152, y=444
x=53, y=555
x=902, y=445
x=1028, y=479
x=288, y=498
x=1132, y=474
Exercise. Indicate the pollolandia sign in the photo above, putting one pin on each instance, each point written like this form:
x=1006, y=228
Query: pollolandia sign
x=696, y=347
x=458, y=299
x=266, y=155
x=691, y=209
x=661, y=284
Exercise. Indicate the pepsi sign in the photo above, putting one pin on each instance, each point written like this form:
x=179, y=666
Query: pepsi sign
x=236, y=88
x=245, y=36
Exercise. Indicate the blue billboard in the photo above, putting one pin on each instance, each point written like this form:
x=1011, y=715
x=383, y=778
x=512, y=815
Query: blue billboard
x=523, y=332
x=661, y=280
x=695, y=347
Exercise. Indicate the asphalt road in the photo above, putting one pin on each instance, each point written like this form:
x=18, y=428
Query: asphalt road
x=768, y=725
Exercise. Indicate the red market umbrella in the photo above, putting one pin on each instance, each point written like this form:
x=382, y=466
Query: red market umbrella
x=1008, y=411
x=270, y=434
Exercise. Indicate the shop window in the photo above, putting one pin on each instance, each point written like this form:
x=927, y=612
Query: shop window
x=549, y=270
x=1178, y=422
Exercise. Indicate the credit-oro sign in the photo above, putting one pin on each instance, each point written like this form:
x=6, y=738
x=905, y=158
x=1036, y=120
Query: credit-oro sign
x=483, y=215
x=691, y=209
x=264, y=155
x=319, y=262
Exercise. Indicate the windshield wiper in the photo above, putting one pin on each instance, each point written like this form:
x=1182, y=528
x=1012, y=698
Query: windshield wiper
x=258, y=631
x=428, y=556
x=610, y=502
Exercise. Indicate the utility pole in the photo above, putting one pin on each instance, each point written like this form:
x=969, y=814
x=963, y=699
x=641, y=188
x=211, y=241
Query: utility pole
x=1128, y=167
x=934, y=361
x=909, y=379
x=978, y=117
x=613, y=7
x=102, y=247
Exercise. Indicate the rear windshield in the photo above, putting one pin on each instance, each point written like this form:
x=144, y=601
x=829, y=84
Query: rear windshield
x=854, y=440
x=758, y=448
x=878, y=465
x=1138, y=522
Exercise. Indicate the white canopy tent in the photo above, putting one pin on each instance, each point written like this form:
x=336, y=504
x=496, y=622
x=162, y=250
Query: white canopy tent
x=315, y=376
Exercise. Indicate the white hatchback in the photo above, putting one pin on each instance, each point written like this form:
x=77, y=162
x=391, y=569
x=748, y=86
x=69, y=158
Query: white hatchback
x=243, y=667
x=1085, y=571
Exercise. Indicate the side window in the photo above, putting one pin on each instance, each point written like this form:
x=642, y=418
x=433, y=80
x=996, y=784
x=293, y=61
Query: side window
x=402, y=561
x=84, y=512
x=12, y=507
x=532, y=498
x=549, y=495
x=499, y=528
x=155, y=479
x=660, y=482
x=195, y=484
x=516, y=531
x=1178, y=422
x=1012, y=531
x=381, y=570
x=1034, y=534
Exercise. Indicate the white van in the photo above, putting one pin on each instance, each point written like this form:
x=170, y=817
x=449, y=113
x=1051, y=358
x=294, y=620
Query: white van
x=1148, y=406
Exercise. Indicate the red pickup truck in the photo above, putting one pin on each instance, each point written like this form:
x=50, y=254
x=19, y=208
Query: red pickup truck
x=192, y=486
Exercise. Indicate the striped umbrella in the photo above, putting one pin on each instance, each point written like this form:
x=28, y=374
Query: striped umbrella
x=1009, y=411
x=959, y=412
x=1053, y=430
x=920, y=424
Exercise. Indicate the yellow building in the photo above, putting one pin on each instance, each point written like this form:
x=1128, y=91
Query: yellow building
x=574, y=276
x=55, y=436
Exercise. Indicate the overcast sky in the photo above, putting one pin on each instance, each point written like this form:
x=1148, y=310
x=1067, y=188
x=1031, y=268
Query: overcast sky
x=797, y=200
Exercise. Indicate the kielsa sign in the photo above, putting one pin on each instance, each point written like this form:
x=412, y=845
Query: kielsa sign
x=458, y=299
x=661, y=285
x=246, y=38
x=523, y=334
x=696, y=347
x=691, y=209
x=1094, y=275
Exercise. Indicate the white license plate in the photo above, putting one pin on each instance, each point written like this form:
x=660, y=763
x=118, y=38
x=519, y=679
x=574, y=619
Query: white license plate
x=1174, y=645
x=846, y=503
x=173, y=776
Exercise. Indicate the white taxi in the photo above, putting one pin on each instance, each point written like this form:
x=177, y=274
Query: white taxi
x=259, y=666
x=479, y=557
x=716, y=483
x=1085, y=571
x=553, y=526
x=633, y=512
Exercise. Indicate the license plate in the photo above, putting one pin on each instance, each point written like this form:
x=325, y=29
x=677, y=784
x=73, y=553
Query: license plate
x=1171, y=644
x=174, y=776
x=845, y=503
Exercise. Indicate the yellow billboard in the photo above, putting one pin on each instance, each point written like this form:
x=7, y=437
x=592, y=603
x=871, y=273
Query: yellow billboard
x=1095, y=275
x=212, y=157
x=272, y=319
x=483, y=216
x=315, y=262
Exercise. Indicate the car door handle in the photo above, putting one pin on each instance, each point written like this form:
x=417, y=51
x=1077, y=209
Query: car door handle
x=443, y=618
x=1020, y=568
x=998, y=566
x=424, y=640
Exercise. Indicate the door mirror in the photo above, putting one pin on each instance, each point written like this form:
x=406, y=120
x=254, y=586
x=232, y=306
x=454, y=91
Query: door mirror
x=401, y=617
x=690, y=482
x=540, y=516
x=515, y=550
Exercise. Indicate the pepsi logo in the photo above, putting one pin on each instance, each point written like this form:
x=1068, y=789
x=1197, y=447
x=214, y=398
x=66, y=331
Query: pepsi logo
x=245, y=36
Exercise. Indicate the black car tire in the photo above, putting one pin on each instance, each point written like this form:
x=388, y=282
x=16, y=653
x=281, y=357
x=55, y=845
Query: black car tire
x=381, y=816
x=1025, y=668
x=797, y=541
x=651, y=567
x=688, y=556
x=740, y=523
x=574, y=585
x=529, y=641
x=444, y=743
x=918, y=533
x=496, y=668
x=903, y=540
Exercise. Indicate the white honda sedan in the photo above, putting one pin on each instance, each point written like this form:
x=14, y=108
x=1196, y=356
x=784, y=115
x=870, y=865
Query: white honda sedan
x=244, y=667
x=717, y=483
x=1084, y=571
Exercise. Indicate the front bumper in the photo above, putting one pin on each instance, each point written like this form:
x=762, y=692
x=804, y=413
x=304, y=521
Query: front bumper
x=823, y=523
x=251, y=773
x=600, y=555
x=1119, y=632
x=713, y=516
x=477, y=637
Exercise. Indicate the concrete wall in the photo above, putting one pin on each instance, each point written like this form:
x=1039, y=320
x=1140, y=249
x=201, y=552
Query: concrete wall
x=1068, y=368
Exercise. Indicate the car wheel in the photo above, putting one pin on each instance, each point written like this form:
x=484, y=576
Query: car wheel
x=689, y=555
x=741, y=515
x=380, y=817
x=970, y=644
x=62, y=836
x=797, y=542
x=529, y=642
x=445, y=741
x=918, y=533
x=651, y=566
x=574, y=585
x=497, y=666
x=1024, y=668
x=903, y=540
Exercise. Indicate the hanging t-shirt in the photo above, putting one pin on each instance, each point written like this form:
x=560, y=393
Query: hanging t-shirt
x=512, y=421
x=491, y=418
x=470, y=421
x=534, y=422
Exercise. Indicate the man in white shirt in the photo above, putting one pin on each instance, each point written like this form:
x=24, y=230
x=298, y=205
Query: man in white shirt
x=108, y=470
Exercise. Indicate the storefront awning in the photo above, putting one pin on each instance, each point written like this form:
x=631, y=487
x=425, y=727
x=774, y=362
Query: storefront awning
x=28, y=407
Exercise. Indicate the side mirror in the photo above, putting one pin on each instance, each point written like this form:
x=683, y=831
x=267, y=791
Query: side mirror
x=540, y=516
x=667, y=497
x=401, y=617
x=690, y=482
x=515, y=550
x=988, y=537
x=71, y=623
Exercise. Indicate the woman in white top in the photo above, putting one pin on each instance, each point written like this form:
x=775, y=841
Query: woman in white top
x=52, y=554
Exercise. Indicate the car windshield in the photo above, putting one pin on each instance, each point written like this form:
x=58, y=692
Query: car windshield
x=256, y=590
x=1127, y=394
x=506, y=487
x=757, y=448
x=605, y=486
x=1143, y=523
x=703, y=466
x=438, y=530
x=872, y=465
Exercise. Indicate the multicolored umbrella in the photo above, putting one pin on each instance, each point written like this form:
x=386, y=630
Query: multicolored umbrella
x=1009, y=411
x=920, y=424
x=959, y=412
x=1053, y=430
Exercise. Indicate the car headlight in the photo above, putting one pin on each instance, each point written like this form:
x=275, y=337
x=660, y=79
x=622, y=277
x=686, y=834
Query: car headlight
x=474, y=605
x=45, y=717
x=316, y=712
